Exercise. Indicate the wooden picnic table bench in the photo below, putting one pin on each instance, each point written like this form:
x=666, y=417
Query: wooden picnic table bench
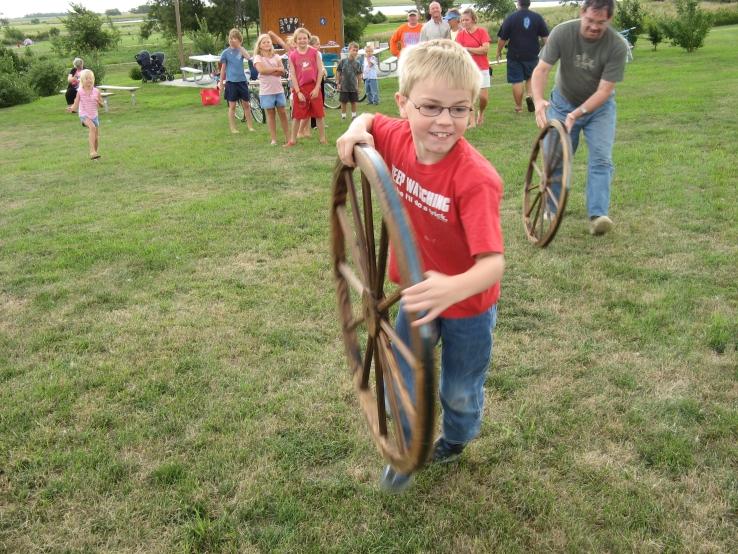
x=132, y=90
x=196, y=73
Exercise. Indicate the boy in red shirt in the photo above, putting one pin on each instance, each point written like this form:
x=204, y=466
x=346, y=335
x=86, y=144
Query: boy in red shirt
x=452, y=196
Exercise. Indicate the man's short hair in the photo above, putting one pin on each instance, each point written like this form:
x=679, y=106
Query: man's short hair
x=524, y=3
x=608, y=5
x=442, y=60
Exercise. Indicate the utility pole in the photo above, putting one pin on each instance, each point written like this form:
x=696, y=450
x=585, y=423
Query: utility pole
x=179, y=32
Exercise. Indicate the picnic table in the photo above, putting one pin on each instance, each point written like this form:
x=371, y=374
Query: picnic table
x=132, y=90
x=206, y=62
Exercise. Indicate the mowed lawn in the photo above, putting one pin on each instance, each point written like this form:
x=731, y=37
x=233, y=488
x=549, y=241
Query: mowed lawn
x=172, y=376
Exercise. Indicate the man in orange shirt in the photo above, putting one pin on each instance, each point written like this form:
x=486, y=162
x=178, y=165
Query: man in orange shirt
x=406, y=34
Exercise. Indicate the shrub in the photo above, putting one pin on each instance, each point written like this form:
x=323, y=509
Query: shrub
x=46, y=77
x=629, y=14
x=724, y=16
x=353, y=28
x=14, y=90
x=135, y=73
x=690, y=27
x=655, y=33
x=379, y=17
x=205, y=42
x=54, y=32
x=13, y=35
x=9, y=61
x=92, y=62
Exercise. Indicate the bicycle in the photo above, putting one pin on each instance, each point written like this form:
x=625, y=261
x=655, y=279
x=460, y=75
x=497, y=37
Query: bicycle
x=257, y=112
x=332, y=94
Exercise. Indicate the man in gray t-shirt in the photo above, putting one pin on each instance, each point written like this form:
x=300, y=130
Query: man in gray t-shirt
x=591, y=58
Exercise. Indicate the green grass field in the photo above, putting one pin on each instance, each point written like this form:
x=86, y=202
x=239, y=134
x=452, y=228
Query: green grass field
x=172, y=376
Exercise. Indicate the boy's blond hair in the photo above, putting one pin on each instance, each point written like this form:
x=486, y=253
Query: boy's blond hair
x=301, y=30
x=258, y=50
x=235, y=33
x=87, y=75
x=314, y=39
x=441, y=60
x=353, y=45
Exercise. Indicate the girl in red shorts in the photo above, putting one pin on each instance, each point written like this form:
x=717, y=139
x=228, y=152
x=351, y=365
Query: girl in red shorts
x=306, y=68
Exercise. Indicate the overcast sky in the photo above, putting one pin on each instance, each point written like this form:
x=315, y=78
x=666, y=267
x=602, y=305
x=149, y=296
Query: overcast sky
x=19, y=8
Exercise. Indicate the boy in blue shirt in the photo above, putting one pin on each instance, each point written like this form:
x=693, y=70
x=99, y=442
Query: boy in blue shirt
x=233, y=79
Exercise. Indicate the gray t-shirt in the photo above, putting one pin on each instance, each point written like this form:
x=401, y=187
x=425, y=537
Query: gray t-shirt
x=432, y=30
x=584, y=62
x=350, y=71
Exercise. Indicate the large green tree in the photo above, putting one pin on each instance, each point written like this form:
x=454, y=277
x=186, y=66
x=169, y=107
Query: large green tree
x=495, y=9
x=221, y=16
x=355, y=14
x=85, y=33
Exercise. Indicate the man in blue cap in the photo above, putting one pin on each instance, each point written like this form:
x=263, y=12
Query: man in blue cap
x=453, y=17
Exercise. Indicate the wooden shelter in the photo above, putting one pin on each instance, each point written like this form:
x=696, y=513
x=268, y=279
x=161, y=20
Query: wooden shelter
x=321, y=17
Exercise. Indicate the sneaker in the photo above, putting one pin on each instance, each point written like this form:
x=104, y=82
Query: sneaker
x=343, y=116
x=531, y=105
x=393, y=482
x=445, y=452
x=599, y=225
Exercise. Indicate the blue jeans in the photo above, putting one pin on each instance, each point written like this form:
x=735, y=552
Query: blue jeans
x=599, y=130
x=372, y=91
x=466, y=352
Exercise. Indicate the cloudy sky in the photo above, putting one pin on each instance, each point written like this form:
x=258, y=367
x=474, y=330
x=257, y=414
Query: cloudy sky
x=19, y=8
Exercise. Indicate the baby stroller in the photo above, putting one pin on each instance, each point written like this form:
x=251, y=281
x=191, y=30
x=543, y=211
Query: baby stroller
x=152, y=66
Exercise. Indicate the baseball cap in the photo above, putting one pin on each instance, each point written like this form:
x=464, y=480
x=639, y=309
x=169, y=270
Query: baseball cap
x=451, y=15
x=412, y=11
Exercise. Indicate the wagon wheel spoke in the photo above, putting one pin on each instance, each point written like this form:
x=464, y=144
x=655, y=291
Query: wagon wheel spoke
x=533, y=204
x=397, y=378
x=360, y=237
x=353, y=280
x=389, y=301
x=367, y=365
x=382, y=267
x=351, y=242
x=550, y=196
x=366, y=191
x=393, y=389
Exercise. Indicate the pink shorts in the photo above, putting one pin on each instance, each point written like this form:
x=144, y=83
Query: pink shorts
x=309, y=108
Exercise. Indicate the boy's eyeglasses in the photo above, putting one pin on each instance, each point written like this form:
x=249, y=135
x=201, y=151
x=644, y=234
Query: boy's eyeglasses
x=434, y=110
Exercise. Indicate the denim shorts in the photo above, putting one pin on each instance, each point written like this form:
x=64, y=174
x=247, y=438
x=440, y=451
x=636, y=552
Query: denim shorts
x=271, y=101
x=520, y=70
x=95, y=120
x=235, y=91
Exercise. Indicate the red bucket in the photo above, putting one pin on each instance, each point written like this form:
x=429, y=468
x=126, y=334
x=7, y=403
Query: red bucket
x=210, y=96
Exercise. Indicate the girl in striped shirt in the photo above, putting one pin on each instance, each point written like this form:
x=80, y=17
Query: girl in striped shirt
x=86, y=103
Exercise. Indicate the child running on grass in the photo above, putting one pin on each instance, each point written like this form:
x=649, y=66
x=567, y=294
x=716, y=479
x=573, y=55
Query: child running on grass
x=306, y=70
x=459, y=239
x=348, y=75
x=271, y=94
x=86, y=102
x=233, y=79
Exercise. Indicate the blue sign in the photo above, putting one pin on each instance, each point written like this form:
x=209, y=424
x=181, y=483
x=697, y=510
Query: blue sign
x=323, y=21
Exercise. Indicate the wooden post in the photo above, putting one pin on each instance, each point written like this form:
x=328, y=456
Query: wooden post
x=179, y=32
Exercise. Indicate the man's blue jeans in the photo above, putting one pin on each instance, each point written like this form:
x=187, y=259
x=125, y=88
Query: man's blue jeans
x=599, y=131
x=466, y=351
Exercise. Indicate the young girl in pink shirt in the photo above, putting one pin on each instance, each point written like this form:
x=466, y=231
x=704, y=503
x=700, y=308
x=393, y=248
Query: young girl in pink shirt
x=271, y=94
x=86, y=103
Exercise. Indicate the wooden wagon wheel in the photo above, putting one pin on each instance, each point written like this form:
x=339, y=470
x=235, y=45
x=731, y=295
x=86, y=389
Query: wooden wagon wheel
x=365, y=221
x=547, y=183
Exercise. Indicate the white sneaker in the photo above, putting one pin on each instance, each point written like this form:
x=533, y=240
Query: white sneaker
x=600, y=225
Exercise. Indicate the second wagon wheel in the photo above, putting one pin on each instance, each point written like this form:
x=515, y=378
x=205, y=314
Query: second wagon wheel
x=367, y=218
x=547, y=183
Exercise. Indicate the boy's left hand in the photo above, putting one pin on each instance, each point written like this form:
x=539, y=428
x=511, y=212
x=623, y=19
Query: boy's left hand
x=436, y=293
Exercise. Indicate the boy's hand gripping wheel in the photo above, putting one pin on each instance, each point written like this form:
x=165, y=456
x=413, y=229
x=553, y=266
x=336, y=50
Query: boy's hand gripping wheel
x=366, y=218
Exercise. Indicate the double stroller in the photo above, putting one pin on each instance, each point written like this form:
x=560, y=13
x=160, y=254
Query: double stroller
x=152, y=66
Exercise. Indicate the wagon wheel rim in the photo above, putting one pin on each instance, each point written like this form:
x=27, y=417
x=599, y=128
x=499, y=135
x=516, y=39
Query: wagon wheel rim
x=547, y=182
x=360, y=245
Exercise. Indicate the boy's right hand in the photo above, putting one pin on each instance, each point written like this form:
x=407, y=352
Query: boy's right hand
x=357, y=133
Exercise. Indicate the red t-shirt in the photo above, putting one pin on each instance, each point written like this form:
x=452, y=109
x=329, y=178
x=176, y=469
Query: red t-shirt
x=475, y=40
x=453, y=206
x=306, y=65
